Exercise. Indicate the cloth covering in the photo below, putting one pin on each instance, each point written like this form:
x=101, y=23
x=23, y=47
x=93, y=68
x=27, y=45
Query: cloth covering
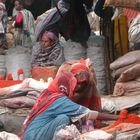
x=8, y=136
x=50, y=56
x=113, y=104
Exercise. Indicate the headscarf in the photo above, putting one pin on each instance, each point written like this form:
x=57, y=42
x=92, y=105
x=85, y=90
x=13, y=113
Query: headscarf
x=77, y=67
x=91, y=97
x=81, y=71
x=2, y=5
x=2, y=18
x=65, y=84
x=20, y=1
x=51, y=36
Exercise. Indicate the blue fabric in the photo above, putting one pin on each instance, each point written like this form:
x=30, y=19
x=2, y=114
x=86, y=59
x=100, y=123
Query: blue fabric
x=58, y=114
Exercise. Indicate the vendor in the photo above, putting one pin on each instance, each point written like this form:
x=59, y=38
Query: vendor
x=47, y=52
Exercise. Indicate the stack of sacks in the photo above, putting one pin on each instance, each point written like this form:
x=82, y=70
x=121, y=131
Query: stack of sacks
x=16, y=102
x=22, y=95
x=127, y=71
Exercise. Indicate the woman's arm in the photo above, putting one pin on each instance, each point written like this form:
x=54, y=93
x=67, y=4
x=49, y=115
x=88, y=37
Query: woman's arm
x=93, y=115
x=99, y=10
x=106, y=116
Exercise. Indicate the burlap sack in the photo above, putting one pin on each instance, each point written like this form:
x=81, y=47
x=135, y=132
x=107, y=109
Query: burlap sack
x=127, y=59
x=116, y=73
x=130, y=74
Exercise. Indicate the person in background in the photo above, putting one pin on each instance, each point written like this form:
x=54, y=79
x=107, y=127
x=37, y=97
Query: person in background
x=3, y=25
x=54, y=110
x=47, y=52
x=24, y=25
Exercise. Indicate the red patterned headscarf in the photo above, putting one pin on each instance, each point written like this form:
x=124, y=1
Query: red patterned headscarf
x=77, y=67
x=81, y=71
x=51, y=36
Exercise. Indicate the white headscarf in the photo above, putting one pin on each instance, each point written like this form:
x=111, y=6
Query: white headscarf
x=2, y=5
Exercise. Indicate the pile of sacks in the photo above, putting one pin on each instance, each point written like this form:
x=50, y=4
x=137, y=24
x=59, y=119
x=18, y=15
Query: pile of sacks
x=126, y=70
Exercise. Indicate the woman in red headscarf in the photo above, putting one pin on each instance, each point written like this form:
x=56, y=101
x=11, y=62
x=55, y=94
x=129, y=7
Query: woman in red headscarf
x=54, y=110
x=86, y=92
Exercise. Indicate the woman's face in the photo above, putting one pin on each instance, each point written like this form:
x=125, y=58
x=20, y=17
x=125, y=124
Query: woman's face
x=80, y=87
x=82, y=81
x=46, y=42
x=18, y=5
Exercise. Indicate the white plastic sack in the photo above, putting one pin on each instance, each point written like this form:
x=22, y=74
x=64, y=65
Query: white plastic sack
x=134, y=31
x=2, y=66
x=73, y=50
x=96, y=135
x=96, y=53
x=8, y=136
x=69, y=132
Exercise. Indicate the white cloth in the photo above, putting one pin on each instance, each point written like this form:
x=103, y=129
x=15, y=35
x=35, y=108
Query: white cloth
x=8, y=136
x=1, y=28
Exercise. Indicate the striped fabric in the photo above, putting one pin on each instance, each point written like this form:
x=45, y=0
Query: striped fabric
x=130, y=13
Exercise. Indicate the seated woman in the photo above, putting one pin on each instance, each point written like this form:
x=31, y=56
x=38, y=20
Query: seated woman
x=54, y=110
x=47, y=52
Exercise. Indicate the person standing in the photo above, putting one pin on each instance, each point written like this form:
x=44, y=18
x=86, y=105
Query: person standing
x=24, y=25
x=3, y=25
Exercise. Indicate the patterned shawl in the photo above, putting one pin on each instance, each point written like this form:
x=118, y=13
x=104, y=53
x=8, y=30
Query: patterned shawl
x=46, y=56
